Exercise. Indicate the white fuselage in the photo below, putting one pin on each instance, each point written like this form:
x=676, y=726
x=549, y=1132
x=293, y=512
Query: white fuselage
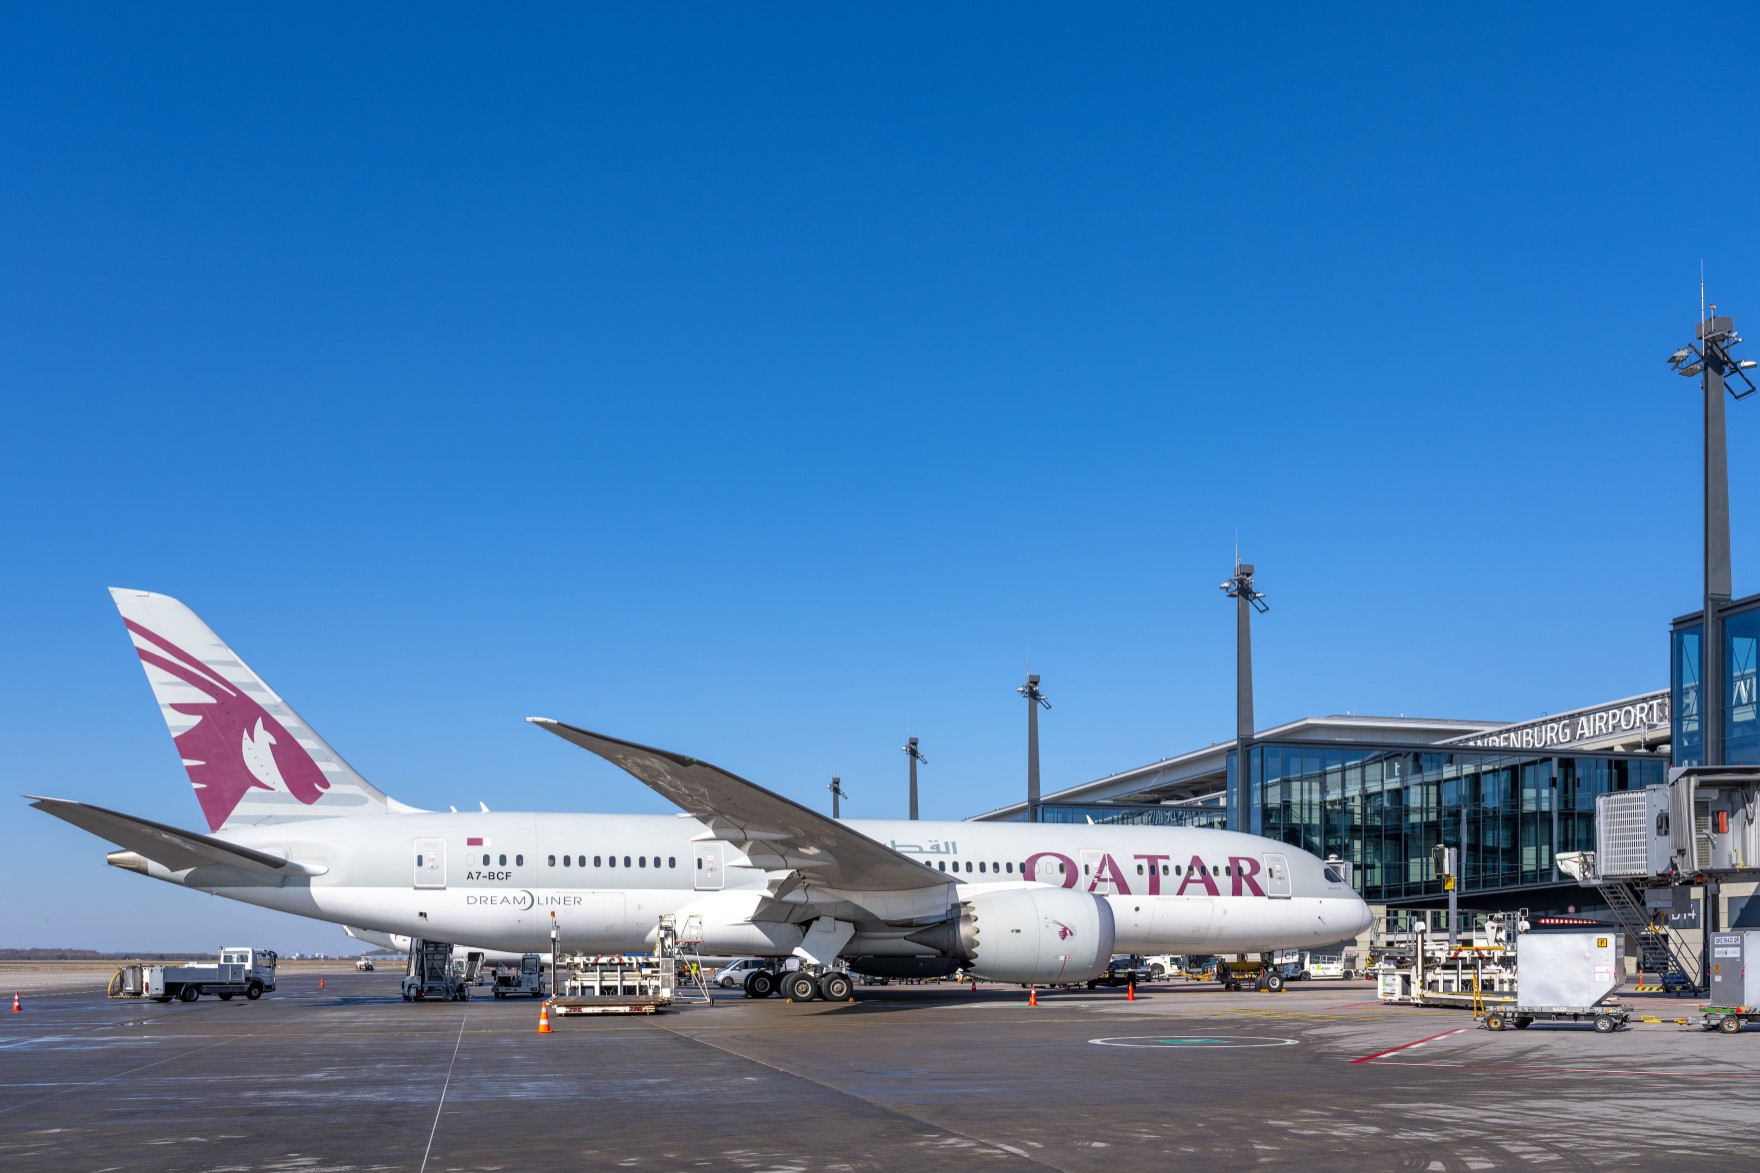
x=504, y=880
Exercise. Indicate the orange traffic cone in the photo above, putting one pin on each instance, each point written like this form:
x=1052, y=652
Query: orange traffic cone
x=544, y=1019
x=1130, y=992
x=16, y=1004
x=974, y=985
x=1033, y=996
x=320, y=983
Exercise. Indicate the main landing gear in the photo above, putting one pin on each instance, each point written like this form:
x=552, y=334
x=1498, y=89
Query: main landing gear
x=833, y=985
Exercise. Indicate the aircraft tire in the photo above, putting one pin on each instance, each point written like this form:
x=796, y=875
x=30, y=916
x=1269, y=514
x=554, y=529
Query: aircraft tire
x=800, y=987
x=760, y=983
x=1274, y=982
x=835, y=987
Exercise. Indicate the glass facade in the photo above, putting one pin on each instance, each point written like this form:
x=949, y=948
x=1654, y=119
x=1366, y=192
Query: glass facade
x=1740, y=702
x=1384, y=808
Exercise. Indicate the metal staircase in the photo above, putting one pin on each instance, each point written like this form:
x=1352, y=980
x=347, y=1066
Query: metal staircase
x=1661, y=950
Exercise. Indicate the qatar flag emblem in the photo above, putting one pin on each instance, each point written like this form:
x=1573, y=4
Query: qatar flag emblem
x=476, y=842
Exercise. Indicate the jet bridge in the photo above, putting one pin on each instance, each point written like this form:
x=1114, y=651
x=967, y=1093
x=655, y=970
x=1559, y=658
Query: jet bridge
x=1699, y=829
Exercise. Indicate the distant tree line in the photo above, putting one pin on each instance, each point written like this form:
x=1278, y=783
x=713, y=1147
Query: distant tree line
x=94, y=955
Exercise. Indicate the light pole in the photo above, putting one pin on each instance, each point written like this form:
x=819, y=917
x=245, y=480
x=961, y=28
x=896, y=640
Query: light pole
x=1710, y=360
x=1239, y=587
x=916, y=755
x=836, y=793
x=1035, y=700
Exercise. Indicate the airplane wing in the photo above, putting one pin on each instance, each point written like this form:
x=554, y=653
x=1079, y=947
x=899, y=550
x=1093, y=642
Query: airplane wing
x=774, y=833
x=165, y=845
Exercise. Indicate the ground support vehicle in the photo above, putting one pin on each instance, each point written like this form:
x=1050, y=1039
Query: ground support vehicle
x=1124, y=970
x=1607, y=1018
x=240, y=970
x=1566, y=974
x=1735, y=981
x=527, y=981
x=1728, y=1019
x=1240, y=974
x=430, y=977
x=615, y=983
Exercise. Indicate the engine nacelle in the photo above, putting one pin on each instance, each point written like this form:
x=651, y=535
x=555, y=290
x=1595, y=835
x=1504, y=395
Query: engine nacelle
x=1034, y=935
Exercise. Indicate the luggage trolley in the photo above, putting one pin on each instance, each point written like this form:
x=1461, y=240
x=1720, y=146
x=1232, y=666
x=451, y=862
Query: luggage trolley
x=1735, y=982
x=1566, y=973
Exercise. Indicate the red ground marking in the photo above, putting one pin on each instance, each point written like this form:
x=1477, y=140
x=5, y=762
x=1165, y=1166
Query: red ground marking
x=1406, y=1046
x=1574, y=1070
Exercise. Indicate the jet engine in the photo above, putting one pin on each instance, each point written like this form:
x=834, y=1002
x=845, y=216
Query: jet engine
x=1033, y=935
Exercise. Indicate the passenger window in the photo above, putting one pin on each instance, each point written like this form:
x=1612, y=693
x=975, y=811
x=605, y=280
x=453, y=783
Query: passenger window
x=519, y=861
x=1214, y=870
x=503, y=862
x=671, y=861
x=1087, y=869
x=582, y=861
x=980, y=865
x=553, y=861
x=485, y=859
x=941, y=862
x=968, y=865
x=996, y=867
x=566, y=860
x=418, y=859
x=641, y=861
x=1139, y=869
x=613, y=860
x=626, y=861
x=1176, y=870
x=1010, y=866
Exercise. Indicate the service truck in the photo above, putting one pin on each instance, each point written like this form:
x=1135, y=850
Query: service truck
x=241, y=970
x=527, y=980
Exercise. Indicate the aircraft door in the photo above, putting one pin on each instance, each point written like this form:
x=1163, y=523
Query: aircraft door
x=430, y=863
x=707, y=869
x=1095, y=877
x=1277, y=882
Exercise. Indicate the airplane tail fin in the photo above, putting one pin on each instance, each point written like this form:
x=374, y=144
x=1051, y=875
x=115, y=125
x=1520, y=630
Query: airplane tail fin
x=249, y=756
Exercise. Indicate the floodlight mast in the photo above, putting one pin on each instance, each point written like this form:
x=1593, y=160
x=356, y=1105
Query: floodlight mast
x=1035, y=700
x=836, y=789
x=1239, y=587
x=1710, y=360
x=916, y=755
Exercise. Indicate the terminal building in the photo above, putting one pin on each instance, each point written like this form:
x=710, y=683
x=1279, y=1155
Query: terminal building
x=1381, y=793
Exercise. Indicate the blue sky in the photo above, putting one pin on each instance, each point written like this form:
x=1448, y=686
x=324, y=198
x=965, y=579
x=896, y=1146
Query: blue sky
x=771, y=383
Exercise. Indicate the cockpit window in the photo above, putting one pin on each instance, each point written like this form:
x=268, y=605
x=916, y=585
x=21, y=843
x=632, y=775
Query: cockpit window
x=1332, y=876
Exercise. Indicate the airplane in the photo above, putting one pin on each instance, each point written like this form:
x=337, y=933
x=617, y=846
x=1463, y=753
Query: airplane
x=291, y=826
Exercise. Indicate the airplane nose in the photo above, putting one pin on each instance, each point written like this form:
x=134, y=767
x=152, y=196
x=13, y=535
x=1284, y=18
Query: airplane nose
x=1365, y=918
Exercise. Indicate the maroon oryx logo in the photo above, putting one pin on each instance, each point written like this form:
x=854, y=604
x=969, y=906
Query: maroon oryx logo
x=1064, y=932
x=235, y=745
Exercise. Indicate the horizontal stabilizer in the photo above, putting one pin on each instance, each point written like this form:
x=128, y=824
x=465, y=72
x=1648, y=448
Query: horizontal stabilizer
x=168, y=846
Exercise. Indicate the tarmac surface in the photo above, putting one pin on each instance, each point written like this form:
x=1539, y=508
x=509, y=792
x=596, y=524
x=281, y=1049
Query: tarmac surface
x=349, y=1077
